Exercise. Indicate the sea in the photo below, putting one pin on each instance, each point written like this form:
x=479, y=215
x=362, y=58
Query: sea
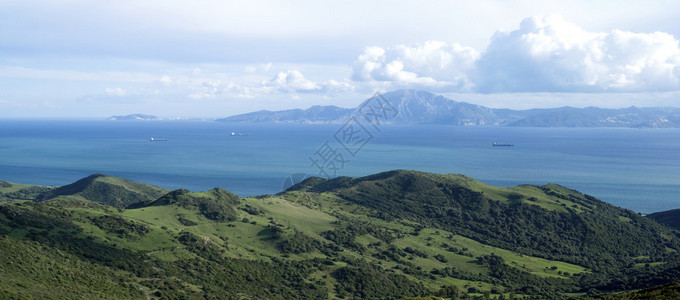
x=637, y=169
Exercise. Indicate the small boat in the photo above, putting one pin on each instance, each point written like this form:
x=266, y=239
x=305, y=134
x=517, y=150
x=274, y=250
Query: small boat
x=153, y=139
x=496, y=144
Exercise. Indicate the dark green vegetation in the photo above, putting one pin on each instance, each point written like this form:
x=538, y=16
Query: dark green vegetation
x=390, y=235
x=669, y=218
x=216, y=204
x=667, y=291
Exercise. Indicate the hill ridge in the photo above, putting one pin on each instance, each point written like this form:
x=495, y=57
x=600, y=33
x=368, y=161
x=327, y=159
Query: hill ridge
x=105, y=189
x=461, y=204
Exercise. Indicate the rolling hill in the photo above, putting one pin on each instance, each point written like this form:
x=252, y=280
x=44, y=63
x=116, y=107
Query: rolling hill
x=103, y=189
x=389, y=235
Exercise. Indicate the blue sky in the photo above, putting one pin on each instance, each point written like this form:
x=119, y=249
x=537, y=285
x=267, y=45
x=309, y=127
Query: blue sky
x=84, y=58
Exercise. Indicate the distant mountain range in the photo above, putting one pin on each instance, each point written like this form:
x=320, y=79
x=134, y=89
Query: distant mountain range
x=422, y=107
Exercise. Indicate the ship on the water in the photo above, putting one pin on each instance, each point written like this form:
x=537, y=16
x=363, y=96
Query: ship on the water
x=153, y=139
x=496, y=144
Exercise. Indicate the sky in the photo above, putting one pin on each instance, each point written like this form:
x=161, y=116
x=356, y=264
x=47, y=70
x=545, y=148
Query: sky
x=216, y=58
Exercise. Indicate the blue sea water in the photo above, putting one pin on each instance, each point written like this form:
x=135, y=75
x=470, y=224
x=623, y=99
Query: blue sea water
x=638, y=169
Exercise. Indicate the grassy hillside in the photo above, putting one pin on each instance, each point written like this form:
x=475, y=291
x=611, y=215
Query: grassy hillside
x=390, y=235
x=33, y=270
x=549, y=221
x=114, y=191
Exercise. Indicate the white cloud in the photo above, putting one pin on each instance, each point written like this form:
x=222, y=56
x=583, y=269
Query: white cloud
x=548, y=54
x=334, y=85
x=217, y=89
x=432, y=63
x=115, y=92
x=292, y=81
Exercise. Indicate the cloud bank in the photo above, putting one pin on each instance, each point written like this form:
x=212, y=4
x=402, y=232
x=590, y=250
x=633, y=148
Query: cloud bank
x=546, y=54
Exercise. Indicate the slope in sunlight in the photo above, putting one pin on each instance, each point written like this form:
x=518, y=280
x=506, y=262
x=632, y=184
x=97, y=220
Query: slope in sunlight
x=388, y=235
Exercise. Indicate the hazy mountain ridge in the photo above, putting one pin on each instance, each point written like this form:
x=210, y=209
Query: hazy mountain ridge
x=313, y=115
x=133, y=117
x=412, y=107
x=143, y=117
x=422, y=107
x=601, y=117
x=388, y=235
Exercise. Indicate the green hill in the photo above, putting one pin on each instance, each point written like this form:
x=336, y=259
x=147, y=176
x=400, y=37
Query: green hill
x=389, y=235
x=669, y=218
x=548, y=221
x=114, y=191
